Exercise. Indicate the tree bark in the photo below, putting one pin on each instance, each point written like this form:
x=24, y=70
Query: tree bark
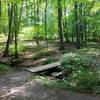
x=60, y=25
x=16, y=28
x=10, y=13
x=46, y=38
x=76, y=26
x=0, y=9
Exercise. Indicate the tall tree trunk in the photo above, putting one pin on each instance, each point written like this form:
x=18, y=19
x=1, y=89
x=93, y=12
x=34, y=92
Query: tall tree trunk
x=10, y=14
x=85, y=25
x=65, y=24
x=46, y=24
x=73, y=29
x=81, y=22
x=37, y=22
x=76, y=26
x=0, y=9
x=16, y=28
x=60, y=25
x=20, y=15
x=65, y=32
x=26, y=12
x=31, y=21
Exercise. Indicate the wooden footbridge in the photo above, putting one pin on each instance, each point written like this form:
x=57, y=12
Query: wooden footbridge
x=43, y=68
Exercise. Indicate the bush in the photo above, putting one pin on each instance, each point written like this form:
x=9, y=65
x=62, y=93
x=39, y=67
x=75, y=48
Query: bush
x=74, y=61
x=84, y=79
x=3, y=67
x=41, y=54
x=81, y=71
x=94, y=51
x=20, y=48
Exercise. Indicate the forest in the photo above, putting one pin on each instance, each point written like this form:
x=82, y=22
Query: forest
x=49, y=49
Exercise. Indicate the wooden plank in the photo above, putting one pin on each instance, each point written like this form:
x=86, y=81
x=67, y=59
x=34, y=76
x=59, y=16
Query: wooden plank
x=43, y=68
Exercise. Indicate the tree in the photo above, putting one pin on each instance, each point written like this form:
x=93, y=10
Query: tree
x=0, y=8
x=46, y=24
x=10, y=15
x=60, y=25
x=76, y=26
x=16, y=28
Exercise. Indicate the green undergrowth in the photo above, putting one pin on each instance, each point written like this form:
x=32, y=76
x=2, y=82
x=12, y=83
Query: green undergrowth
x=4, y=68
x=80, y=74
x=38, y=48
x=85, y=81
x=44, y=53
x=88, y=50
x=1, y=47
x=21, y=48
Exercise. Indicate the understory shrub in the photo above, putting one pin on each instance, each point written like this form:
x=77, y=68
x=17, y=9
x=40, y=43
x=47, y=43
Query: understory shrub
x=3, y=67
x=41, y=54
x=84, y=79
x=20, y=48
x=81, y=71
x=90, y=50
x=75, y=61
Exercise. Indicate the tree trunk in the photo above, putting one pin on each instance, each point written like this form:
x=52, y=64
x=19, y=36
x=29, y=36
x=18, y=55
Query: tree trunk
x=20, y=15
x=37, y=25
x=46, y=24
x=16, y=28
x=85, y=25
x=0, y=9
x=76, y=26
x=60, y=25
x=10, y=14
x=81, y=22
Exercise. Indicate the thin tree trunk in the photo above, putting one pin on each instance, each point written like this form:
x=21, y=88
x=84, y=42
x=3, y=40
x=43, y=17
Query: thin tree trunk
x=65, y=24
x=0, y=9
x=36, y=14
x=76, y=26
x=46, y=24
x=16, y=28
x=73, y=31
x=60, y=25
x=10, y=13
x=20, y=15
x=31, y=15
x=85, y=25
x=81, y=22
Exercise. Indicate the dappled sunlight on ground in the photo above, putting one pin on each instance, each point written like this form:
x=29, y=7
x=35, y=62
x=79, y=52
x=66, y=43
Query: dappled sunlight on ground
x=20, y=85
x=18, y=91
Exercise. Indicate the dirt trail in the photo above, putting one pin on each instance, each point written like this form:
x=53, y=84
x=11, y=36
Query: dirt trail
x=18, y=85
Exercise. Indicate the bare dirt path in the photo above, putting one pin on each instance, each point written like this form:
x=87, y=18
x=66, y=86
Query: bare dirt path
x=18, y=85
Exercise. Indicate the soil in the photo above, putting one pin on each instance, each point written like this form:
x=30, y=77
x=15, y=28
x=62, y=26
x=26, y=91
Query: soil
x=18, y=85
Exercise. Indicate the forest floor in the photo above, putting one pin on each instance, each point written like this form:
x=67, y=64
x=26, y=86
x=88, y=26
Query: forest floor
x=25, y=57
x=19, y=85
